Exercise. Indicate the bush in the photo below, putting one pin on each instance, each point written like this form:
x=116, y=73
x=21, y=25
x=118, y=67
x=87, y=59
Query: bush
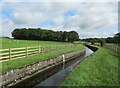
x=102, y=42
x=92, y=42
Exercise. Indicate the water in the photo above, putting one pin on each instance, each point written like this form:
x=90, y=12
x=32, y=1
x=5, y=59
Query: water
x=52, y=76
x=56, y=79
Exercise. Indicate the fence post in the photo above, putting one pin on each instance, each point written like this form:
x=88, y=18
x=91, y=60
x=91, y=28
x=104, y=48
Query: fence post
x=41, y=49
x=116, y=48
x=69, y=45
x=56, y=47
x=62, y=47
x=63, y=56
x=26, y=51
x=9, y=53
x=66, y=46
x=38, y=49
x=49, y=48
x=53, y=48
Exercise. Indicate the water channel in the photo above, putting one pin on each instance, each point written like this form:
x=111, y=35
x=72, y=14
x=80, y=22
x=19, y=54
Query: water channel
x=59, y=76
x=54, y=76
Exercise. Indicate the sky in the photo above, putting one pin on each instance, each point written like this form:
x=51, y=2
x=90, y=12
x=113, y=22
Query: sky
x=89, y=19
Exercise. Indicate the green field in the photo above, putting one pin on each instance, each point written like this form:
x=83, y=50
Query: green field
x=13, y=43
x=100, y=69
x=21, y=62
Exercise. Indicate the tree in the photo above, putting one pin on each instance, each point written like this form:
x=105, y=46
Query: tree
x=73, y=36
x=117, y=38
x=102, y=42
x=110, y=40
x=44, y=34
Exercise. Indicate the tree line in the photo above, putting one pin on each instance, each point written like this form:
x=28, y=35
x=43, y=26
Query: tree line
x=115, y=39
x=45, y=35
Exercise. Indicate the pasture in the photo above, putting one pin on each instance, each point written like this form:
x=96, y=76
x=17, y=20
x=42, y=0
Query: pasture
x=99, y=69
x=14, y=43
x=21, y=62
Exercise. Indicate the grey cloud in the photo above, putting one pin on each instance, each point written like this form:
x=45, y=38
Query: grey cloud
x=90, y=16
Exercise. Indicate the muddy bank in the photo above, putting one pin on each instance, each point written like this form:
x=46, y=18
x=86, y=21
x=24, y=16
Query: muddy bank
x=15, y=77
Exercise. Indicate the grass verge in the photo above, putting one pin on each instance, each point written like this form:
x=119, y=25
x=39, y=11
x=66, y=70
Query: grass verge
x=14, y=43
x=100, y=69
x=17, y=63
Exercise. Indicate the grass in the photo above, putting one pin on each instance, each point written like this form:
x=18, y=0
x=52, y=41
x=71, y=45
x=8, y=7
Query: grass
x=13, y=64
x=100, y=69
x=13, y=43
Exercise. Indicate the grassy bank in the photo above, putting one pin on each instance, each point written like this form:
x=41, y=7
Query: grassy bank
x=13, y=43
x=8, y=65
x=100, y=69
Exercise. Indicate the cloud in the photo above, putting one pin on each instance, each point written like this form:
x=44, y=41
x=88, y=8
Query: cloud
x=93, y=16
x=61, y=0
x=28, y=18
x=89, y=18
x=0, y=19
x=58, y=21
x=7, y=27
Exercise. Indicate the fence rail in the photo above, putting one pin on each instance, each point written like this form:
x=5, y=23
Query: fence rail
x=14, y=53
x=111, y=46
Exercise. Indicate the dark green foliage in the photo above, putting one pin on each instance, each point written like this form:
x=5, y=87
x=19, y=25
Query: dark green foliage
x=102, y=42
x=117, y=38
x=92, y=42
x=46, y=35
x=110, y=40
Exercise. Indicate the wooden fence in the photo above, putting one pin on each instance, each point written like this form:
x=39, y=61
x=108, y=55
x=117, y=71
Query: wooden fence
x=14, y=53
x=111, y=46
